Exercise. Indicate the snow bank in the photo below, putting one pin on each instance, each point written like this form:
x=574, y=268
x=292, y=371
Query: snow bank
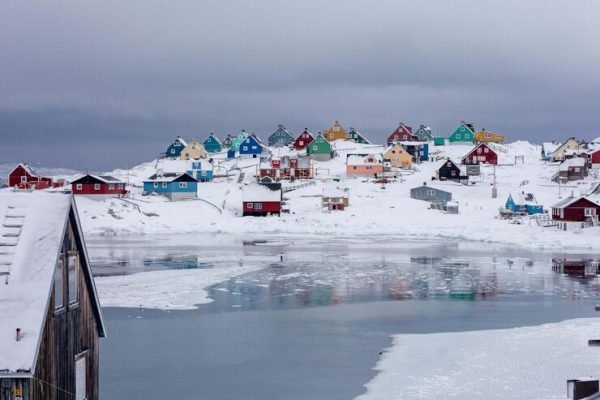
x=180, y=289
x=521, y=363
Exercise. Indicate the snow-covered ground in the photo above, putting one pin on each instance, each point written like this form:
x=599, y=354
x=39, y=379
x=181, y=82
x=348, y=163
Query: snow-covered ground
x=522, y=363
x=375, y=210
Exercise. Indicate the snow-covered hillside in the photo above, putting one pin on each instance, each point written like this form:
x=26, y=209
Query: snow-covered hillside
x=375, y=210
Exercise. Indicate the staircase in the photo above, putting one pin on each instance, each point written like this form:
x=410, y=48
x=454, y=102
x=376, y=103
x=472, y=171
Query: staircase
x=241, y=177
x=10, y=231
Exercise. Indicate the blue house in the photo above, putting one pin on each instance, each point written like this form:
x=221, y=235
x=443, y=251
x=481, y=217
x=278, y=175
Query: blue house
x=526, y=204
x=201, y=170
x=174, y=186
x=231, y=153
x=281, y=137
x=252, y=147
x=175, y=149
x=212, y=144
x=418, y=150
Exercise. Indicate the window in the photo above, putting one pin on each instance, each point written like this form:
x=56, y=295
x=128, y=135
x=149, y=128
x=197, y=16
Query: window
x=452, y=173
x=253, y=147
x=315, y=148
x=182, y=185
x=203, y=173
x=111, y=186
x=462, y=128
x=81, y=378
x=24, y=179
x=258, y=206
x=250, y=205
x=164, y=185
x=479, y=150
x=96, y=186
x=354, y=167
x=467, y=136
x=245, y=148
x=486, y=150
x=155, y=184
x=172, y=151
x=120, y=186
x=301, y=143
x=59, y=283
x=590, y=212
x=458, y=135
x=577, y=170
x=79, y=186
x=73, y=261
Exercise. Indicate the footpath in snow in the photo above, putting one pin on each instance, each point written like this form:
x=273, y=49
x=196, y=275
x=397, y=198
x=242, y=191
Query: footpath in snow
x=521, y=363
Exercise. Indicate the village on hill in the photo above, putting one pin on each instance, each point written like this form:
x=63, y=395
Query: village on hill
x=468, y=185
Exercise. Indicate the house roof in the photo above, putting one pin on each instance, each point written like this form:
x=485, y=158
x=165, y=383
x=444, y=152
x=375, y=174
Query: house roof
x=30, y=243
x=171, y=177
x=181, y=140
x=572, y=162
x=97, y=179
x=27, y=168
x=478, y=146
x=431, y=188
x=362, y=159
x=570, y=200
x=255, y=192
x=214, y=137
x=550, y=147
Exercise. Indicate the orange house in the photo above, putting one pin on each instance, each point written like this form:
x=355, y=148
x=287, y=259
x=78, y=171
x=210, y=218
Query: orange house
x=336, y=132
x=364, y=164
x=484, y=136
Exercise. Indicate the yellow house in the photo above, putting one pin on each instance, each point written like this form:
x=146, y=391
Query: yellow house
x=484, y=136
x=193, y=151
x=336, y=132
x=565, y=150
x=398, y=156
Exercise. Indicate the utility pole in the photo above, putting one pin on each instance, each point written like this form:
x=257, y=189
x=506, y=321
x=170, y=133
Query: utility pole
x=494, y=189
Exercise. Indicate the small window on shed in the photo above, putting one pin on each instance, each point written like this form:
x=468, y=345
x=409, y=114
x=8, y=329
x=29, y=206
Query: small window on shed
x=258, y=206
x=182, y=185
x=79, y=186
x=24, y=179
x=81, y=378
x=250, y=205
x=164, y=185
x=59, y=283
x=315, y=148
x=96, y=186
x=73, y=261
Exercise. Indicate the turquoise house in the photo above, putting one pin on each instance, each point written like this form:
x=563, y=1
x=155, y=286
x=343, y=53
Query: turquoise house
x=281, y=137
x=212, y=144
x=201, y=170
x=236, y=141
x=525, y=205
x=465, y=133
x=174, y=186
x=175, y=149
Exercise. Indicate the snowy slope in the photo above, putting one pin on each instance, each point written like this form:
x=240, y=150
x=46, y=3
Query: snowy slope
x=374, y=210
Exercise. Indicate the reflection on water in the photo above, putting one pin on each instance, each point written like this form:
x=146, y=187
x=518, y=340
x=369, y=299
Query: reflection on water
x=270, y=334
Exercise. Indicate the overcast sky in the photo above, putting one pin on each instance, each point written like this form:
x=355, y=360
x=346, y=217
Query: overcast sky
x=102, y=84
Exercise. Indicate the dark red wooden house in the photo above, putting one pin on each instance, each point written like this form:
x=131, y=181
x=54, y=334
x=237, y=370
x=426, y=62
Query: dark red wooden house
x=481, y=154
x=303, y=140
x=98, y=185
x=286, y=167
x=575, y=212
x=25, y=177
x=262, y=199
x=403, y=133
x=594, y=157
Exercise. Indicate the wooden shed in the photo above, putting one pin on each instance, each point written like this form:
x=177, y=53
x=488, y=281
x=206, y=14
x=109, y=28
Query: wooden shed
x=431, y=194
x=25, y=177
x=335, y=199
x=99, y=186
x=51, y=316
x=262, y=199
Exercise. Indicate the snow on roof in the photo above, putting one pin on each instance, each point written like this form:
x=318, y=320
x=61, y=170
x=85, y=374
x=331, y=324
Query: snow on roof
x=257, y=192
x=332, y=191
x=182, y=141
x=108, y=179
x=31, y=234
x=362, y=159
x=568, y=201
x=550, y=147
x=166, y=177
x=572, y=162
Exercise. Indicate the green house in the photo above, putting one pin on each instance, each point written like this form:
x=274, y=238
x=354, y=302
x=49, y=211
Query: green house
x=239, y=139
x=463, y=134
x=439, y=141
x=319, y=149
x=212, y=144
x=356, y=137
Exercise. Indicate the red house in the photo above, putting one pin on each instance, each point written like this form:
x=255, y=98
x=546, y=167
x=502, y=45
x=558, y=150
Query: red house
x=594, y=157
x=261, y=199
x=575, y=212
x=481, y=154
x=24, y=177
x=303, y=140
x=286, y=167
x=95, y=185
x=402, y=134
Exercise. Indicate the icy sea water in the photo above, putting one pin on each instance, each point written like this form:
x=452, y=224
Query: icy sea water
x=311, y=323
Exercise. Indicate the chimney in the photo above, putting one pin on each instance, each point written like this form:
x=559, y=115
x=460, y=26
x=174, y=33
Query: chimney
x=280, y=125
x=18, y=334
x=424, y=183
